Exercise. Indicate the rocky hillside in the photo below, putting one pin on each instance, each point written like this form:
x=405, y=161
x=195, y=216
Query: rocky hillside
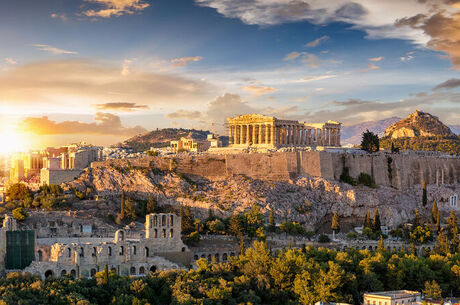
x=419, y=124
x=421, y=131
x=308, y=200
x=162, y=137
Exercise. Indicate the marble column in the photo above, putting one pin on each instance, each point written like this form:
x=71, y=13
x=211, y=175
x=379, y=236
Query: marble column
x=241, y=134
x=253, y=134
x=272, y=131
x=260, y=134
x=285, y=134
x=267, y=133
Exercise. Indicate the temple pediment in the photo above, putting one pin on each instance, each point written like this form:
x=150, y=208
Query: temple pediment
x=252, y=118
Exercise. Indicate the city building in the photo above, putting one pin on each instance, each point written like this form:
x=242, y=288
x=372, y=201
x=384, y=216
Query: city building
x=257, y=130
x=188, y=145
x=397, y=297
x=214, y=141
x=159, y=248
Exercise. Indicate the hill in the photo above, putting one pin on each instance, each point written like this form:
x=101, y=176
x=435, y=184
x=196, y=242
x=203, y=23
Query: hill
x=421, y=131
x=162, y=137
x=352, y=134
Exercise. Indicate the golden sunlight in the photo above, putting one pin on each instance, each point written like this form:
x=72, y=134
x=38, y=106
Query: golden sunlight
x=12, y=141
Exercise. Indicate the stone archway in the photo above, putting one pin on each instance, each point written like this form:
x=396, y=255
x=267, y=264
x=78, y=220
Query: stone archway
x=153, y=268
x=93, y=272
x=49, y=274
x=63, y=273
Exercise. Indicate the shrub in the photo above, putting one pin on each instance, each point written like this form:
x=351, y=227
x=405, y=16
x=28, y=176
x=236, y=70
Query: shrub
x=345, y=176
x=352, y=235
x=324, y=238
x=366, y=179
x=19, y=214
x=192, y=239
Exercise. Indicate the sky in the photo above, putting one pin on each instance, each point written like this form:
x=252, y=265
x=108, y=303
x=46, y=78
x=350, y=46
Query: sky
x=105, y=70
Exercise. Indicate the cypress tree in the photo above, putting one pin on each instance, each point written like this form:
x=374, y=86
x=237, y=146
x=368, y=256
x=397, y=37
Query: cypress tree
x=438, y=223
x=271, y=220
x=377, y=223
x=241, y=245
x=335, y=226
x=151, y=205
x=434, y=211
x=424, y=196
x=106, y=274
x=367, y=221
x=381, y=245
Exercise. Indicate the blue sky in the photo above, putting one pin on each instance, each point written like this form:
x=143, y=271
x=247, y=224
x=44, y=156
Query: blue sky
x=186, y=63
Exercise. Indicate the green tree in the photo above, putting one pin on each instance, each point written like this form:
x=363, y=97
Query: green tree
x=442, y=245
x=438, y=223
x=432, y=290
x=377, y=224
x=19, y=213
x=216, y=226
x=271, y=220
x=416, y=222
x=151, y=205
x=236, y=225
x=370, y=142
x=424, y=195
x=128, y=212
x=242, y=245
x=367, y=221
x=335, y=226
x=452, y=229
x=254, y=220
x=18, y=191
x=381, y=245
x=434, y=211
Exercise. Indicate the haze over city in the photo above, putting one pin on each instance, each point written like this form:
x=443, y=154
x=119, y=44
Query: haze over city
x=105, y=70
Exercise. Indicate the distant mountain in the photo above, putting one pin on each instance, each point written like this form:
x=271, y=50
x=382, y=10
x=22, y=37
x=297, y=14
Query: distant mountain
x=455, y=129
x=162, y=137
x=421, y=131
x=352, y=134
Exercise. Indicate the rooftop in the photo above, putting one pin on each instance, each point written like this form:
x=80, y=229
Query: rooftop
x=395, y=294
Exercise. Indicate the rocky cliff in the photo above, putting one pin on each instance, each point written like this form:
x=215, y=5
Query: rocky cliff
x=306, y=199
x=419, y=124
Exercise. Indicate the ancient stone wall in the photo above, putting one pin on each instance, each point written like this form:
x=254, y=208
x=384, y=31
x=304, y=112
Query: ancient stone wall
x=398, y=170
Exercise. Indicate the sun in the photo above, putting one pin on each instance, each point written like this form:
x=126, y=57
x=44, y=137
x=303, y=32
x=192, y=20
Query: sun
x=12, y=141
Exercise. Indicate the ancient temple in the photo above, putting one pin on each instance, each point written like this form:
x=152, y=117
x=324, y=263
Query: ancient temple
x=269, y=132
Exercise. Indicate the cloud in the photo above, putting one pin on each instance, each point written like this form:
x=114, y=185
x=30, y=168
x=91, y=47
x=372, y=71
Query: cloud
x=370, y=67
x=448, y=84
x=315, y=78
x=316, y=42
x=63, y=17
x=258, y=90
x=121, y=106
x=126, y=67
x=183, y=61
x=376, y=58
x=184, y=114
x=309, y=59
x=105, y=124
x=66, y=84
x=408, y=57
x=353, y=111
x=115, y=8
x=10, y=61
x=51, y=49
x=292, y=55
x=431, y=23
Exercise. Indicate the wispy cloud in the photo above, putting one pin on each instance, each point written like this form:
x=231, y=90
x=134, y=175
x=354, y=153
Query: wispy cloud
x=370, y=67
x=448, y=84
x=115, y=8
x=121, y=106
x=63, y=17
x=376, y=58
x=316, y=42
x=292, y=55
x=183, y=61
x=184, y=114
x=10, y=61
x=309, y=59
x=314, y=78
x=258, y=90
x=51, y=49
x=409, y=56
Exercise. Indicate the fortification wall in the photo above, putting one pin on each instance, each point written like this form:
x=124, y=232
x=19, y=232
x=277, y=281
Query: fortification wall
x=397, y=170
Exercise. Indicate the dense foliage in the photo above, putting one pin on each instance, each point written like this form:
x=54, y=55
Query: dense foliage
x=450, y=145
x=370, y=142
x=293, y=276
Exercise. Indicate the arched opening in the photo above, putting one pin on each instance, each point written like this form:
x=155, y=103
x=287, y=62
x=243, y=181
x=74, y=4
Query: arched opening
x=110, y=251
x=40, y=255
x=183, y=249
x=69, y=252
x=156, y=233
x=217, y=257
x=63, y=273
x=122, y=251
x=73, y=273
x=163, y=220
x=209, y=257
x=134, y=250
x=93, y=272
x=224, y=257
x=114, y=270
x=132, y=271
x=171, y=220
x=141, y=270
x=153, y=268
x=49, y=274
x=171, y=233
x=82, y=252
x=232, y=254
x=155, y=220
x=164, y=233
x=195, y=257
x=146, y=252
x=94, y=252
x=203, y=256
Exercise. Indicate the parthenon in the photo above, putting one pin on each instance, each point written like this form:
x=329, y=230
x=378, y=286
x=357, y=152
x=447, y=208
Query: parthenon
x=258, y=130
